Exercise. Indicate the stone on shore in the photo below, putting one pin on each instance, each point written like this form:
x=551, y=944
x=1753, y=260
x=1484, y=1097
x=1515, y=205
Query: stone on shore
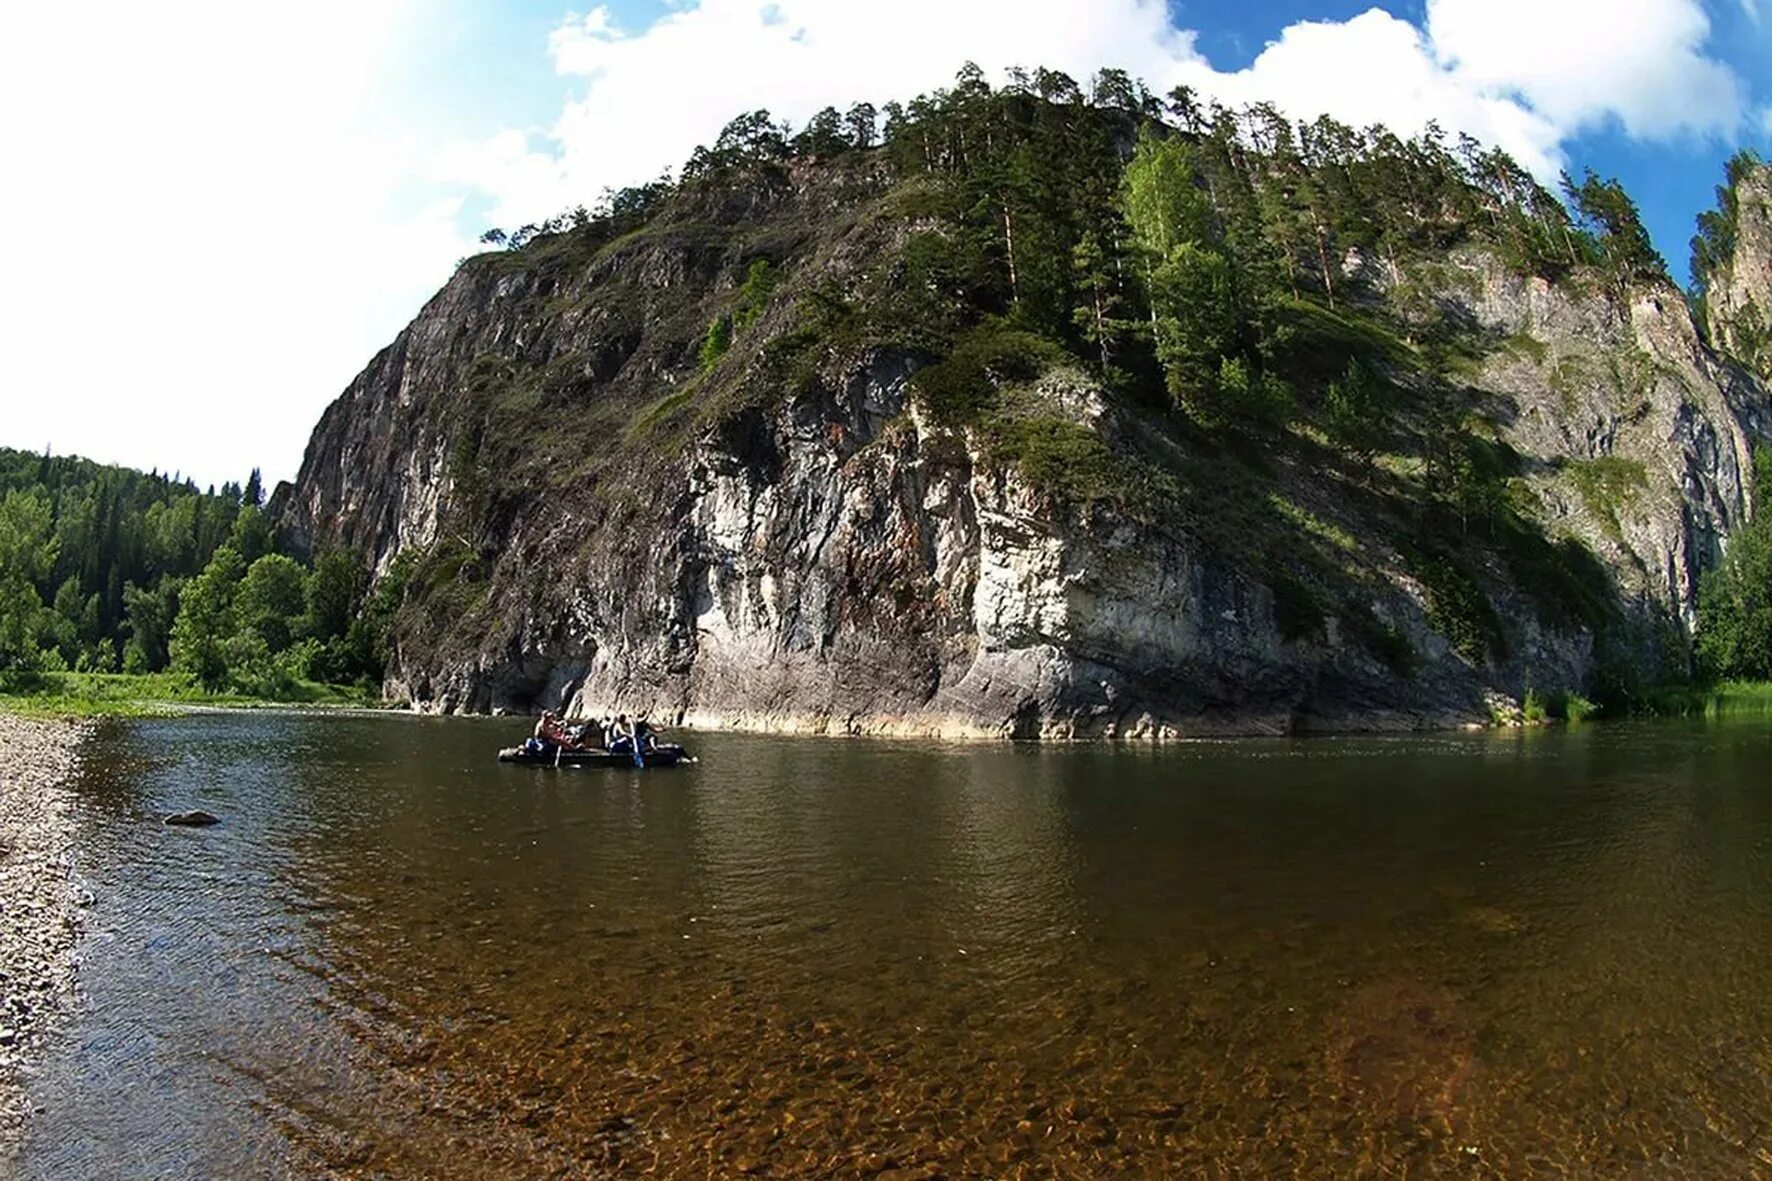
x=38, y=897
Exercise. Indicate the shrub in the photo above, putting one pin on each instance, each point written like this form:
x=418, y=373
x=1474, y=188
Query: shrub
x=958, y=390
x=1534, y=711
x=715, y=343
x=759, y=283
x=1578, y=709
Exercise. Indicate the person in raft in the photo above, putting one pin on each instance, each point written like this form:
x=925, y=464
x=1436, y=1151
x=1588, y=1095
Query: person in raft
x=621, y=736
x=548, y=735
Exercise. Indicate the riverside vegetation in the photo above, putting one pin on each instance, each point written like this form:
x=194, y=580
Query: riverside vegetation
x=120, y=590
x=1041, y=409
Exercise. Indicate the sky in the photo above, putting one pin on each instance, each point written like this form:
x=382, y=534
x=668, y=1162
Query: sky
x=219, y=211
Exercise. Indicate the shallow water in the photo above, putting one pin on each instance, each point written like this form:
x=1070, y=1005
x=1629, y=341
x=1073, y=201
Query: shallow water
x=1466, y=956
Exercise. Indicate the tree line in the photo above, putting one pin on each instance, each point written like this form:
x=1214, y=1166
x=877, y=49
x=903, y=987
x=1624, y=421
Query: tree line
x=105, y=569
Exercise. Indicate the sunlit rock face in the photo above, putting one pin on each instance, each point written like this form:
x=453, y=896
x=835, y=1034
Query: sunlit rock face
x=1739, y=299
x=589, y=517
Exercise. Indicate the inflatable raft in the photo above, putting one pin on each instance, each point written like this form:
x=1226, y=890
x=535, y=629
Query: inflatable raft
x=663, y=755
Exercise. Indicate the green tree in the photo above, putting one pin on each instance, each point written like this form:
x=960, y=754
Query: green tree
x=1099, y=317
x=251, y=534
x=206, y=620
x=1735, y=600
x=334, y=593
x=1194, y=320
x=151, y=612
x=271, y=600
x=28, y=548
x=1356, y=411
x=825, y=135
x=1607, y=211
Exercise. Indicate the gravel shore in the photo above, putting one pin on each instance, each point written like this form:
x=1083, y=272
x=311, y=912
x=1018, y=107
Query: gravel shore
x=39, y=903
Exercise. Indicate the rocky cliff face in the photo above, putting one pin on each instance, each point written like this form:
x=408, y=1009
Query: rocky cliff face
x=801, y=546
x=1740, y=296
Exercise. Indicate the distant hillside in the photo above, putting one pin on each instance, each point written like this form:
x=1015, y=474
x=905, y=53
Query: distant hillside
x=1046, y=414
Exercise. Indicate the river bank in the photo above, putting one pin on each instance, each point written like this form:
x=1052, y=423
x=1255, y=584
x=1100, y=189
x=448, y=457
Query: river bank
x=39, y=902
x=89, y=695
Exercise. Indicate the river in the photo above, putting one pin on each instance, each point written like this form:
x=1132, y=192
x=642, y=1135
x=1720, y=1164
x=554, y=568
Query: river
x=1540, y=953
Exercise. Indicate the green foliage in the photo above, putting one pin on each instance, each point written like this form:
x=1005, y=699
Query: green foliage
x=1713, y=247
x=1534, y=710
x=1459, y=610
x=1298, y=613
x=1383, y=640
x=129, y=695
x=114, y=532
x=206, y=620
x=1574, y=708
x=1608, y=212
x=1356, y=411
x=715, y=343
x=760, y=282
x=1072, y=463
x=271, y=601
x=1735, y=599
x=958, y=390
x=1566, y=582
x=27, y=553
x=1607, y=485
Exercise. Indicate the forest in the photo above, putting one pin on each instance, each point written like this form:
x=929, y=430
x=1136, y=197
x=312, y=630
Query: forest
x=108, y=570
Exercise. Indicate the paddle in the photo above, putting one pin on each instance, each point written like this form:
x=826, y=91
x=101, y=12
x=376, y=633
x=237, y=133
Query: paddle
x=639, y=759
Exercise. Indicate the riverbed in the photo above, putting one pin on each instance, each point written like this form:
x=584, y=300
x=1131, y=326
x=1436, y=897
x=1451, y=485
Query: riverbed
x=1539, y=953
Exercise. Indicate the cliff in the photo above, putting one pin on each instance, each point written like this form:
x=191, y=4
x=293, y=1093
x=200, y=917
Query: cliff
x=1739, y=295
x=585, y=495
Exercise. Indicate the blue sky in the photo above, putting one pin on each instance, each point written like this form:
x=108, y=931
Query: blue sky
x=221, y=210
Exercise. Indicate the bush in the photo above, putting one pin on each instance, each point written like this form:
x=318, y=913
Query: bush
x=1072, y=463
x=958, y=391
x=1534, y=711
x=759, y=284
x=1578, y=709
x=1735, y=600
x=715, y=343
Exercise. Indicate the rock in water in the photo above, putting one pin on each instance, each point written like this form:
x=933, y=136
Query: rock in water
x=193, y=819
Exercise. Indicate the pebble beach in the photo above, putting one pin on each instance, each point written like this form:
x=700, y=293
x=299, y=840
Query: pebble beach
x=39, y=901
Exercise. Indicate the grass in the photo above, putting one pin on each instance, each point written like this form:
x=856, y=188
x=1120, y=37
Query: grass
x=1526, y=346
x=1074, y=464
x=1726, y=699
x=151, y=695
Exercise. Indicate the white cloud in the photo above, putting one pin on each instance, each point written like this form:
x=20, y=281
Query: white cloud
x=649, y=98
x=1378, y=69
x=1578, y=62
x=1525, y=74
x=209, y=231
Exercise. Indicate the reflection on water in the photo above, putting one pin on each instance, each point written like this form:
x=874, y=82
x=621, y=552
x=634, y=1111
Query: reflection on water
x=1456, y=956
